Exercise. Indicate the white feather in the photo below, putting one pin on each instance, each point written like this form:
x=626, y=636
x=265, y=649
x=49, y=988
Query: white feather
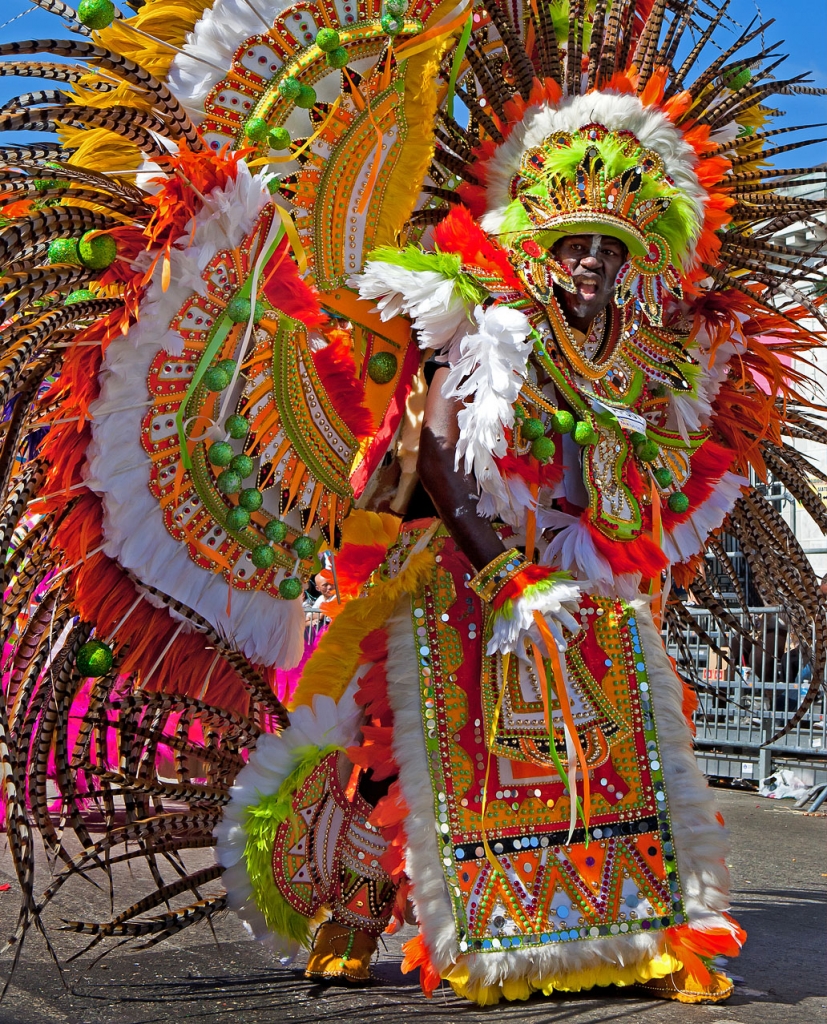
x=487, y=373
x=684, y=540
x=557, y=604
x=439, y=314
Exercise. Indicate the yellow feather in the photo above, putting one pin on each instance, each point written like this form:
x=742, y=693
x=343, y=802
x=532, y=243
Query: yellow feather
x=335, y=660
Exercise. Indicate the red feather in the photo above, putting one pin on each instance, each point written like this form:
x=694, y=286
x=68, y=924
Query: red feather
x=334, y=364
x=709, y=463
x=530, y=575
x=459, y=233
x=288, y=292
x=638, y=555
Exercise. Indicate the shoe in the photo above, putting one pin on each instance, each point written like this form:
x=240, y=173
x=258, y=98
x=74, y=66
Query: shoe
x=685, y=988
x=341, y=954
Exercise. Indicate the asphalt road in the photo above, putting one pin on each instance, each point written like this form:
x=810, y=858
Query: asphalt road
x=779, y=872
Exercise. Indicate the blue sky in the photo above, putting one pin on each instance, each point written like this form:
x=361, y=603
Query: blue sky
x=802, y=25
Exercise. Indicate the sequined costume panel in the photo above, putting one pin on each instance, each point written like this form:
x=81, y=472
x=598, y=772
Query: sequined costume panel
x=490, y=751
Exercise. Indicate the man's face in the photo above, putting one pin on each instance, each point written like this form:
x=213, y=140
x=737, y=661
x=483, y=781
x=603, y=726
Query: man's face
x=325, y=586
x=593, y=262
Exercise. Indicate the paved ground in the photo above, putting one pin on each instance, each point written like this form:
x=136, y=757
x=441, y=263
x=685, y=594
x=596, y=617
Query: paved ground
x=780, y=896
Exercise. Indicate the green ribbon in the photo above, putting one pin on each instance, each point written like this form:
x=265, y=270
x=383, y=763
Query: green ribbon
x=218, y=336
x=558, y=764
x=462, y=46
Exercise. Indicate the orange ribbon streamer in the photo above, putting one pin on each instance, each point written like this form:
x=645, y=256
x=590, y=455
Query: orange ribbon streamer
x=559, y=680
x=657, y=536
x=422, y=41
x=492, y=733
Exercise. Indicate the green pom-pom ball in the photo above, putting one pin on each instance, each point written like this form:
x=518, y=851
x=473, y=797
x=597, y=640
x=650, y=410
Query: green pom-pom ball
x=251, y=498
x=215, y=379
x=96, y=14
x=228, y=482
x=81, y=295
x=584, y=433
x=678, y=502
x=304, y=547
x=238, y=518
x=227, y=365
x=532, y=429
x=648, y=451
x=738, y=78
x=238, y=310
x=391, y=25
x=291, y=588
x=64, y=250
x=242, y=464
x=338, y=58
x=97, y=251
x=562, y=422
x=236, y=426
x=94, y=659
x=637, y=438
x=289, y=88
x=396, y=7
x=256, y=129
x=382, y=367
x=279, y=138
x=663, y=476
x=221, y=453
x=275, y=531
x=327, y=39
x=543, y=448
x=306, y=97
x=263, y=556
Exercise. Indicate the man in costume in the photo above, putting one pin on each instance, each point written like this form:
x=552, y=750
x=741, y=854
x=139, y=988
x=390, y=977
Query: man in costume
x=227, y=339
x=524, y=717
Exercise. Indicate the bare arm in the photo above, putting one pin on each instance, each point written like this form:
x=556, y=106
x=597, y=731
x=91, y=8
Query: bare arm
x=453, y=493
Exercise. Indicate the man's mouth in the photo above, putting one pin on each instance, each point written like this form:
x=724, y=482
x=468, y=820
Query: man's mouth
x=587, y=287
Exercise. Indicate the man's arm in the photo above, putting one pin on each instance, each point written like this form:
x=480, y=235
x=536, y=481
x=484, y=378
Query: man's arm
x=453, y=493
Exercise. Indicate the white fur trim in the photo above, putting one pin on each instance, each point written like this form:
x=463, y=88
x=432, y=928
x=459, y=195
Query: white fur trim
x=557, y=604
x=487, y=373
x=700, y=841
x=440, y=315
x=118, y=468
x=615, y=111
x=701, y=844
x=323, y=724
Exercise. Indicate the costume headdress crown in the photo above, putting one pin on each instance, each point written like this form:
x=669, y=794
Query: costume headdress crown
x=597, y=180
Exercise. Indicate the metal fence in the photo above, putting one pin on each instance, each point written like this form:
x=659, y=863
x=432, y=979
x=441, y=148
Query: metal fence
x=746, y=694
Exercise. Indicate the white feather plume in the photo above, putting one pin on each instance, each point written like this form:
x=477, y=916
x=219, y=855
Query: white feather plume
x=557, y=604
x=438, y=312
x=487, y=374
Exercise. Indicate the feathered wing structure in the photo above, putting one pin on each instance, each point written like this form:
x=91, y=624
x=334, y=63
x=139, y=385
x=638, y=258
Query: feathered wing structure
x=195, y=396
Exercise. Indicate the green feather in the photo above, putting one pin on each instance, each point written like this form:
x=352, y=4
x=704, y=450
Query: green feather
x=449, y=265
x=261, y=825
x=677, y=225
